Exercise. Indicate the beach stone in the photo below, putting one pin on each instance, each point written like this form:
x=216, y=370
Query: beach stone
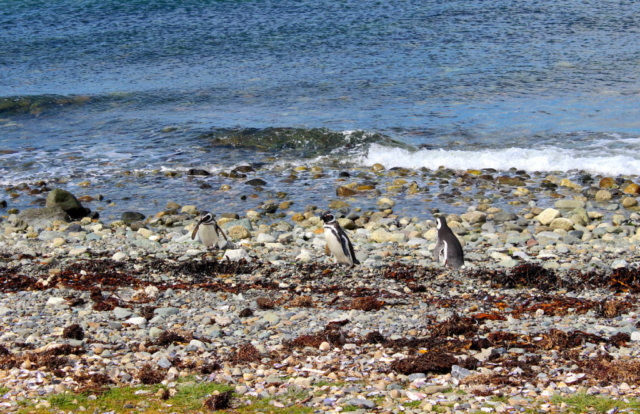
x=547, y=216
x=345, y=192
x=155, y=333
x=565, y=182
x=265, y=238
x=561, y=223
x=54, y=301
x=239, y=233
x=68, y=202
x=246, y=222
x=632, y=189
x=129, y=217
x=304, y=256
x=474, y=217
x=119, y=256
x=569, y=204
x=167, y=311
x=386, y=201
x=122, y=313
x=43, y=217
x=603, y=195
x=347, y=224
x=628, y=202
x=237, y=254
x=607, y=182
x=146, y=233
x=361, y=403
x=381, y=236
x=434, y=389
x=504, y=216
x=47, y=235
x=137, y=320
x=338, y=204
x=514, y=181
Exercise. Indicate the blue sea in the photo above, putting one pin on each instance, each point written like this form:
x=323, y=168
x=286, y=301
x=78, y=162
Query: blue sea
x=106, y=97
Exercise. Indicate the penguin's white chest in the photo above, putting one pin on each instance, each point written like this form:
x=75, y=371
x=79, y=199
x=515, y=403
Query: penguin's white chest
x=335, y=246
x=208, y=235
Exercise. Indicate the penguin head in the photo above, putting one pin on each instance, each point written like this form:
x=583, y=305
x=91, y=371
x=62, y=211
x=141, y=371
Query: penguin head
x=206, y=217
x=441, y=222
x=327, y=217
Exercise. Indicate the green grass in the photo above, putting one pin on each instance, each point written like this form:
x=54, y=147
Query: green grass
x=189, y=399
x=601, y=404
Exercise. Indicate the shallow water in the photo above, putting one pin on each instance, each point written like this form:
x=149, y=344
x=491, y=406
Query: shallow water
x=91, y=90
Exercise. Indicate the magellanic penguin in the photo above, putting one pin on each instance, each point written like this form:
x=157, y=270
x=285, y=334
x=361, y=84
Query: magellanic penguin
x=208, y=230
x=448, y=251
x=337, y=241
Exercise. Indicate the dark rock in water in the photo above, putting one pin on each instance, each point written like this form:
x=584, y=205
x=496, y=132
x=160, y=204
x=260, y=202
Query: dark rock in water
x=344, y=174
x=68, y=202
x=131, y=216
x=234, y=216
x=585, y=179
x=244, y=169
x=195, y=171
x=255, y=182
x=236, y=174
x=590, y=192
x=43, y=217
x=94, y=215
x=74, y=228
x=269, y=208
x=3, y=203
x=205, y=186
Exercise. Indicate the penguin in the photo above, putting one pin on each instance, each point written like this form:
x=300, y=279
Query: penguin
x=208, y=230
x=337, y=240
x=448, y=251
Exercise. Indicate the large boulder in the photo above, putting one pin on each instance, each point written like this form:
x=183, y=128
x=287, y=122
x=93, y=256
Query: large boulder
x=68, y=202
x=40, y=218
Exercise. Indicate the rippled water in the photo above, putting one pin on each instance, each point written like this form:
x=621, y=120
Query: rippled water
x=90, y=90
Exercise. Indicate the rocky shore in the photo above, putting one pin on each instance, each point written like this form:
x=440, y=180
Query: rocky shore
x=545, y=308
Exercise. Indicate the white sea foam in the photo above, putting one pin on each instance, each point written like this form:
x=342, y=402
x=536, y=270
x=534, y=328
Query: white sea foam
x=546, y=159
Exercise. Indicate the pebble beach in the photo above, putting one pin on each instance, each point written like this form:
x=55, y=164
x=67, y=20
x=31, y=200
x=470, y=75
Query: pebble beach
x=544, y=309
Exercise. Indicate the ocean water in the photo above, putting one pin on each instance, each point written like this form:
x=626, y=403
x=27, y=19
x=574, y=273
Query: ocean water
x=116, y=93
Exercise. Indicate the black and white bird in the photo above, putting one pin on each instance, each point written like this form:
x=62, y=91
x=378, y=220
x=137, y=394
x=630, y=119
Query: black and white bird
x=208, y=230
x=448, y=251
x=338, y=242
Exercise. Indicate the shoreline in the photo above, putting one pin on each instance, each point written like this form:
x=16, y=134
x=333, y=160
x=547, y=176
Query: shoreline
x=540, y=312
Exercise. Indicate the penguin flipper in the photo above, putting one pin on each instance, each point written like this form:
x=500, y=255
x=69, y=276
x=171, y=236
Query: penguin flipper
x=347, y=247
x=195, y=231
x=437, y=252
x=220, y=231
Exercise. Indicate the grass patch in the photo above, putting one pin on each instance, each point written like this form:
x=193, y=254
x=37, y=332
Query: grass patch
x=412, y=404
x=189, y=399
x=601, y=404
